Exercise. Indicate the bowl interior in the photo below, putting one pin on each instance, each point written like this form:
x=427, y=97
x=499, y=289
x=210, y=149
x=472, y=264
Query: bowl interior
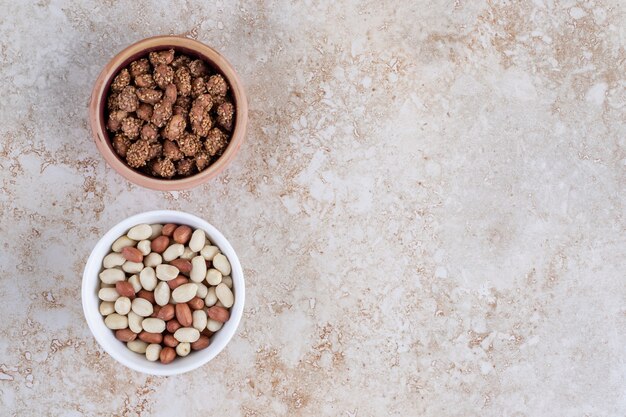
x=105, y=336
x=103, y=115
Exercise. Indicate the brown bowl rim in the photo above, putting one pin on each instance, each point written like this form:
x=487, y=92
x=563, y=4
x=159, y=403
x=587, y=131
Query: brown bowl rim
x=141, y=48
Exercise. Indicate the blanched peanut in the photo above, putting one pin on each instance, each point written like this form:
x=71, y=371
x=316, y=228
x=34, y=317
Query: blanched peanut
x=228, y=281
x=106, y=308
x=134, y=322
x=225, y=295
x=183, y=349
x=112, y=260
x=166, y=272
x=198, y=269
x=108, y=294
x=121, y=243
x=153, y=351
x=153, y=259
x=116, y=321
x=185, y=292
x=198, y=239
x=213, y=325
x=211, y=297
x=187, y=334
x=140, y=232
x=144, y=247
x=220, y=262
x=156, y=230
x=153, y=325
x=148, y=279
x=202, y=290
x=199, y=320
x=162, y=293
x=208, y=252
x=134, y=281
x=213, y=276
x=137, y=346
x=188, y=254
x=173, y=251
x=122, y=305
x=142, y=307
x=132, y=267
x=112, y=275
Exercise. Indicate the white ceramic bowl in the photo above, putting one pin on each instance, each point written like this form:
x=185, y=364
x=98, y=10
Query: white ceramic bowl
x=105, y=336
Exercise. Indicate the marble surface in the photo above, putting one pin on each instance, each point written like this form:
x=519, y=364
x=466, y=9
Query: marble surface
x=429, y=208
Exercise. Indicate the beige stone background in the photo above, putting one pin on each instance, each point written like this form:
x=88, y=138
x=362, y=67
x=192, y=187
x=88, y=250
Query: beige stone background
x=429, y=208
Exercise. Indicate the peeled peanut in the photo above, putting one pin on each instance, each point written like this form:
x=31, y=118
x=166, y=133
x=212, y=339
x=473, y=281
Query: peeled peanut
x=162, y=293
x=106, y=308
x=148, y=278
x=112, y=275
x=121, y=243
x=187, y=334
x=153, y=351
x=202, y=290
x=188, y=254
x=198, y=239
x=166, y=272
x=225, y=295
x=198, y=269
x=208, y=252
x=173, y=252
x=113, y=259
x=213, y=276
x=156, y=230
x=142, y=307
x=183, y=349
x=220, y=262
x=116, y=321
x=134, y=322
x=122, y=305
x=134, y=281
x=144, y=247
x=132, y=267
x=199, y=320
x=137, y=346
x=153, y=325
x=228, y=281
x=153, y=259
x=213, y=325
x=211, y=297
x=185, y=292
x=140, y=232
x=108, y=294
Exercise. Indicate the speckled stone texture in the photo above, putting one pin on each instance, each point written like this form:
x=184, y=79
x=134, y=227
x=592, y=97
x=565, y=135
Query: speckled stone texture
x=429, y=208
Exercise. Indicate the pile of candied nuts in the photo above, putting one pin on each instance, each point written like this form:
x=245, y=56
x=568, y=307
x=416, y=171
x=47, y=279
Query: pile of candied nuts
x=169, y=115
x=165, y=290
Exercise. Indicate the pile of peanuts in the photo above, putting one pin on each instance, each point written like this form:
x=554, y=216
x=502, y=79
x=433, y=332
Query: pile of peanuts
x=165, y=290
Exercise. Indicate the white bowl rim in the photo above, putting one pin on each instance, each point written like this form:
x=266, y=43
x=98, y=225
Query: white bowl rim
x=106, y=338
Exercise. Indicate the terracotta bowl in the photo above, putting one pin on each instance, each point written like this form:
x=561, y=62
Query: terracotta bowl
x=97, y=107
